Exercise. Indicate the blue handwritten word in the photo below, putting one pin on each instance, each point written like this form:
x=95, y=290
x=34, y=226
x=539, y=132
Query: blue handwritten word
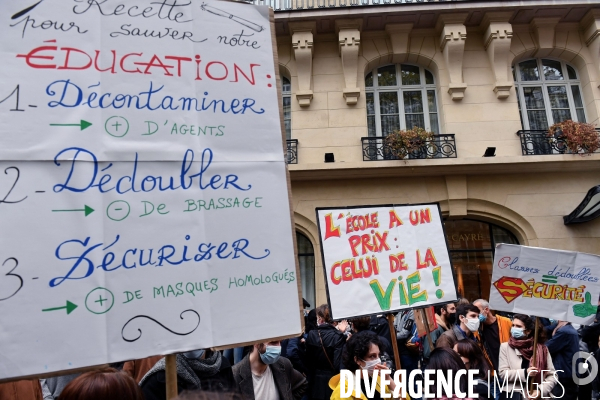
x=81, y=177
x=523, y=269
x=71, y=95
x=583, y=275
x=81, y=252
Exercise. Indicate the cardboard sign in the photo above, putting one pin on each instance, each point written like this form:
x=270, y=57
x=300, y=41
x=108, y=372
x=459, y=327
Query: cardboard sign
x=384, y=258
x=143, y=195
x=545, y=283
x=425, y=320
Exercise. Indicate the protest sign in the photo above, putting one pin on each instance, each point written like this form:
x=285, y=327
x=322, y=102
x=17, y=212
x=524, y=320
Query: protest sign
x=546, y=283
x=384, y=258
x=144, y=195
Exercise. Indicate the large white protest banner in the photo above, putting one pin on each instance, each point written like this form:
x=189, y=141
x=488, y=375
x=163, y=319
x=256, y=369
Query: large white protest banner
x=143, y=189
x=381, y=259
x=546, y=283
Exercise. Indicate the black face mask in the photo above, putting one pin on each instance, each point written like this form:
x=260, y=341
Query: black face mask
x=451, y=318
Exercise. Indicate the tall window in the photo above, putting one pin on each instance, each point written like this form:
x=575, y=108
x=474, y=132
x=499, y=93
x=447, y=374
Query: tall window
x=548, y=92
x=400, y=96
x=286, y=92
x=471, y=245
x=306, y=260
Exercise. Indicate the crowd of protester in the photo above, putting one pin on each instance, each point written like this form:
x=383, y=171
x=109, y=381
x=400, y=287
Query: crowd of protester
x=469, y=336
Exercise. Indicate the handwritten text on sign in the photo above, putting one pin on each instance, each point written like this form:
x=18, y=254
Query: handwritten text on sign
x=388, y=257
x=558, y=284
x=140, y=156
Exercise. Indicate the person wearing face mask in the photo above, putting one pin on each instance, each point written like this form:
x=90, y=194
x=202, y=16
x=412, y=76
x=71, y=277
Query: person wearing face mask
x=196, y=370
x=495, y=331
x=362, y=352
x=467, y=323
x=324, y=347
x=264, y=375
x=516, y=363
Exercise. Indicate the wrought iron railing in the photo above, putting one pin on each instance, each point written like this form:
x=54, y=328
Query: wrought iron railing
x=292, y=151
x=374, y=148
x=537, y=142
x=291, y=5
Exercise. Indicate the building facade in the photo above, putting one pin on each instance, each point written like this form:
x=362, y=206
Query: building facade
x=487, y=77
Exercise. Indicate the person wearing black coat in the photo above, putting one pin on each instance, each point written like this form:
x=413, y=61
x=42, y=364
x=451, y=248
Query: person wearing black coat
x=563, y=346
x=196, y=370
x=324, y=347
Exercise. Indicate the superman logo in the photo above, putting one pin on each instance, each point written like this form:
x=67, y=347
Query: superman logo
x=510, y=288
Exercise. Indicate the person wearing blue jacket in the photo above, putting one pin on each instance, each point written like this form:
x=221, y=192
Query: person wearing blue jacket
x=562, y=346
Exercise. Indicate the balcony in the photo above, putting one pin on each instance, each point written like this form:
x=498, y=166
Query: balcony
x=292, y=151
x=537, y=142
x=442, y=146
x=291, y=5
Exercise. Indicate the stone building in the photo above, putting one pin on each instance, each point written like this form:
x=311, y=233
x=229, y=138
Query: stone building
x=488, y=77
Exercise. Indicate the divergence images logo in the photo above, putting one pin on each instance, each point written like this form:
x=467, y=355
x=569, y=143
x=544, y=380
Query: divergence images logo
x=585, y=368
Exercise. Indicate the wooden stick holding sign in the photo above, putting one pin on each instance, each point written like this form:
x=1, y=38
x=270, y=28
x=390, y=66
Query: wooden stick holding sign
x=171, y=375
x=427, y=328
x=534, y=356
x=390, y=318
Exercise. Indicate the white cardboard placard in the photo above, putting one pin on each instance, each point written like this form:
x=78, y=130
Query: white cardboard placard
x=557, y=284
x=143, y=193
x=382, y=259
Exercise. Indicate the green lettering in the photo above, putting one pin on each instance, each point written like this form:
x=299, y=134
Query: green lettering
x=414, y=296
x=383, y=298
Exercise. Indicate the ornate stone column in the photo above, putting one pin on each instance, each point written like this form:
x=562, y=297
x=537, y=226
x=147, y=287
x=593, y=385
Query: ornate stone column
x=591, y=34
x=453, y=34
x=349, y=44
x=496, y=41
x=302, y=43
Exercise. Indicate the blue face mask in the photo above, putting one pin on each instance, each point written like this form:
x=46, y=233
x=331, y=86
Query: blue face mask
x=482, y=317
x=552, y=321
x=194, y=354
x=517, y=333
x=271, y=354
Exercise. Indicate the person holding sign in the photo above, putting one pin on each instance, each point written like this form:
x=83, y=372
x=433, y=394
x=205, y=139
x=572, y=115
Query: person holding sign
x=264, y=375
x=519, y=366
x=362, y=352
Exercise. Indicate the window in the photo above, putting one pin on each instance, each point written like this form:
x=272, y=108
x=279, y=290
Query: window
x=471, y=245
x=306, y=260
x=286, y=92
x=548, y=92
x=400, y=96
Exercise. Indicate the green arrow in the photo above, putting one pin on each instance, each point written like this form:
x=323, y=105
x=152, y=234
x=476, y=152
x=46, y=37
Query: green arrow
x=82, y=124
x=87, y=210
x=69, y=307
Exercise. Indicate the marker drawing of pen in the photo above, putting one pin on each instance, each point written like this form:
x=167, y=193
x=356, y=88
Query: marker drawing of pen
x=239, y=20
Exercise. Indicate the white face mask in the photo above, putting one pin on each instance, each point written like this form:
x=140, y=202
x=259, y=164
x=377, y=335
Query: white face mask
x=472, y=324
x=370, y=365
